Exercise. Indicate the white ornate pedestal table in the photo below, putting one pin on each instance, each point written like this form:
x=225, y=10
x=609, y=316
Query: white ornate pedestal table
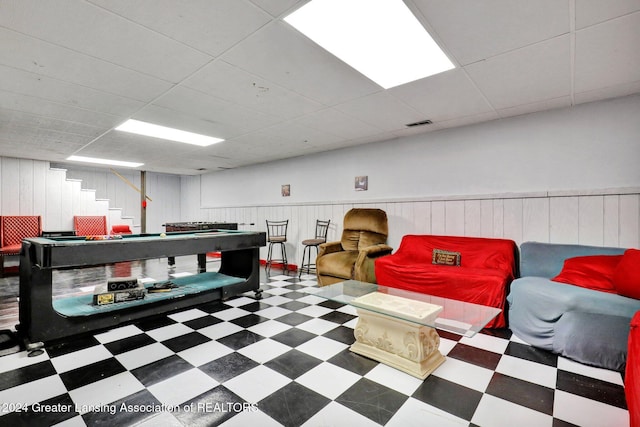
x=398, y=327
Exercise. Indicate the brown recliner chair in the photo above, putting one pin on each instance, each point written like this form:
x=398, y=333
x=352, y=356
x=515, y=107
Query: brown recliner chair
x=364, y=238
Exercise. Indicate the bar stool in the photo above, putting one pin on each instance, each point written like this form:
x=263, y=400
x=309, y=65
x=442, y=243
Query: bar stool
x=277, y=235
x=322, y=227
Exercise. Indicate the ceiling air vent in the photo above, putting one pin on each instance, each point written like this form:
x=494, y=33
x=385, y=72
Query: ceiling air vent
x=420, y=123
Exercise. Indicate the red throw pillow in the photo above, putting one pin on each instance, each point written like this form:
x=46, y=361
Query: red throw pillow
x=627, y=276
x=592, y=272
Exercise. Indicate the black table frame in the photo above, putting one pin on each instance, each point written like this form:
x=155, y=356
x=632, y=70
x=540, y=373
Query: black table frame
x=39, y=257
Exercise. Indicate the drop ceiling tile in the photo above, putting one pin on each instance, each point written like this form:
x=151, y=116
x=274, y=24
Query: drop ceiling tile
x=525, y=76
x=39, y=57
x=607, y=92
x=209, y=26
x=39, y=86
x=230, y=118
x=41, y=107
x=85, y=28
x=476, y=30
x=590, y=12
x=281, y=54
x=548, y=104
x=235, y=85
x=278, y=7
x=381, y=110
x=337, y=123
x=608, y=54
x=443, y=96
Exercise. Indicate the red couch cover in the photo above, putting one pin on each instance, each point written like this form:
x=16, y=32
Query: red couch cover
x=487, y=267
x=632, y=373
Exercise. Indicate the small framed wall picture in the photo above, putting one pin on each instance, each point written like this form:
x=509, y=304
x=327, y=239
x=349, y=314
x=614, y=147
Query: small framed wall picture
x=362, y=183
x=286, y=190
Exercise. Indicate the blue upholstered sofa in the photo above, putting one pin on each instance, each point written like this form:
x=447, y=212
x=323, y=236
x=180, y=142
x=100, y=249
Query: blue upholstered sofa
x=585, y=325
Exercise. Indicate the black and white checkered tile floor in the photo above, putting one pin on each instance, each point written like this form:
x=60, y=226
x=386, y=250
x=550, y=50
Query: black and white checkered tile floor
x=285, y=360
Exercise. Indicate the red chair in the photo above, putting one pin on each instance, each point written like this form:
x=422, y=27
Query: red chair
x=90, y=225
x=120, y=229
x=12, y=230
x=632, y=372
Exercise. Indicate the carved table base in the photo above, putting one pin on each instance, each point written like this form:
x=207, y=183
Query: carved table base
x=407, y=346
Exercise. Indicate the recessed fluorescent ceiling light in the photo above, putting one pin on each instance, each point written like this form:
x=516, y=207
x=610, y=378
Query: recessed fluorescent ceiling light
x=104, y=161
x=157, y=131
x=380, y=38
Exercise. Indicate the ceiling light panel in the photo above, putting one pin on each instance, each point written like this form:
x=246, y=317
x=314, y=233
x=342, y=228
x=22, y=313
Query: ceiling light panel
x=380, y=38
x=104, y=161
x=171, y=134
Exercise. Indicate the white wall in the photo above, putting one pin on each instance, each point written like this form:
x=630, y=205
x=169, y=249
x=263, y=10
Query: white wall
x=568, y=175
x=591, y=146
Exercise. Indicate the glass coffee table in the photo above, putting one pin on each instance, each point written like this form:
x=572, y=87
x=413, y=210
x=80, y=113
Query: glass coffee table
x=398, y=327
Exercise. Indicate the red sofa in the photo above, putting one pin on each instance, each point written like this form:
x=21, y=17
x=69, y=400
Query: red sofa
x=486, y=268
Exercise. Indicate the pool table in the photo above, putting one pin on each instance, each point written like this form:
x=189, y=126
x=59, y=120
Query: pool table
x=41, y=319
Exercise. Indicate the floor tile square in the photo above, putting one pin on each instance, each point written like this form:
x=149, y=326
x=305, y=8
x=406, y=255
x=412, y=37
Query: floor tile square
x=317, y=326
x=293, y=337
x=269, y=328
x=19, y=360
x=353, y=362
x=373, y=400
x=418, y=414
x=26, y=374
x=37, y=417
x=251, y=417
x=249, y=320
x=453, y=398
x=533, y=354
x=160, y=370
x=228, y=366
x=523, y=393
x=105, y=391
x=591, y=388
x=213, y=307
x=220, y=330
x=276, y=299
x=129, y=343
x=80, y=358
x=394, y=379
x=240, y=339
x=526, y=370
x=202, y=322
x=293, y=363
x=486, y=342
x=32, y=392
x=294, y=319
x=264, y=350
x=167, y=332
x=293, y=404
x=293, y=305
x=335, y=414
x=493, y=411
x=230, y=313
x=464, y=373
x=185, y=316
x=120, y=417
x=568, y=365
x=180, y=388
x=315, y=311
x=257, y=383
x=338, y=317
x=118, y=334
x=329, y=380
x=88, y=374
x=475, y=356
x=341, y=334
x=322, y=348
x=143, y=356
x=73, y=344
x=154, y=323
x=240, y=301
x=585, y=412
x=255, y=306
x=211, y=408
x=204, y=353
x=185, y=341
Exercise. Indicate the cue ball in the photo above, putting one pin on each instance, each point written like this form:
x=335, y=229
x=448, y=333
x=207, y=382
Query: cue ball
x=163, y=235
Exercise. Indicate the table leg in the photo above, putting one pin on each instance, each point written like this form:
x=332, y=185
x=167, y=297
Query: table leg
x=407, y=346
